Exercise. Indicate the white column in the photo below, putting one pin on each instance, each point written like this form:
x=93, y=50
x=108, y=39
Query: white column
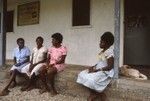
x=117, y=38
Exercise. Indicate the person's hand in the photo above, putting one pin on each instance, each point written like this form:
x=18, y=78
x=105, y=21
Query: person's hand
x=31, y=67
x=18, y=64
x=94, y=70
x=51, y=65
x=90, y=69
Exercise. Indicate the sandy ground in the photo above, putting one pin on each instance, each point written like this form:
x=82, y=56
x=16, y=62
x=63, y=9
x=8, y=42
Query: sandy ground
x=33, y=95
x=16, y=95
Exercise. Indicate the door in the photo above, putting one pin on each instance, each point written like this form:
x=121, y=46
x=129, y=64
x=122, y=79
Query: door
x=137, y=32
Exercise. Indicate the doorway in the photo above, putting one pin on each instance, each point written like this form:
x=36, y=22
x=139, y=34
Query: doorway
x=137, y=32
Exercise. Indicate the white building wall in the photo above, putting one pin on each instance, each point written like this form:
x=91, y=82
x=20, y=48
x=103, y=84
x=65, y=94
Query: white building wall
x=56, y=16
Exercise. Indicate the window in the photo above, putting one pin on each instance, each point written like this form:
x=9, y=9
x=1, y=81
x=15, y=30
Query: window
x=81, y=13
x=9, y=21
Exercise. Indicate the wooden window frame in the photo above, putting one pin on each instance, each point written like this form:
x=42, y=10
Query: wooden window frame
x=81, y=12
x=10, y=21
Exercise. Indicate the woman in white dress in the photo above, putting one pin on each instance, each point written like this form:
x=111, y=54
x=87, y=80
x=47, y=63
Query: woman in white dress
x=97, y=77
x=38, y=61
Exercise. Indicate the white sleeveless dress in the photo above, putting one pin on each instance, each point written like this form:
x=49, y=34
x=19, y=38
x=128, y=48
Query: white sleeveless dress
x=98, y=81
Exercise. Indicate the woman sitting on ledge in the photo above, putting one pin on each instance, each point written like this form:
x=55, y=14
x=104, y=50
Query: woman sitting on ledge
x=55, y=62
x=38, y=61
x=97, y=77
x=21, y=59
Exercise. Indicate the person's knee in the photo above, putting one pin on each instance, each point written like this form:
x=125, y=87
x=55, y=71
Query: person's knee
x=42, y=70
x=33, y=76
x=15, y=71
x=51, y=71
x=11, y=72
x=51, y=75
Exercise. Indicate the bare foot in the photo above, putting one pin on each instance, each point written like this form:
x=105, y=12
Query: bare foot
x=91, y=97
x=24, y=88
x=13, y=85
x=41, y=91
x=30, y=88
x=4, y=92
x=54, y=92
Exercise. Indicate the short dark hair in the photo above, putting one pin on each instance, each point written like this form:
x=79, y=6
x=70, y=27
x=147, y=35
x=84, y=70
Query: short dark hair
x=58, y=37
x=39, y=37
x=108, y=38
x=20, y=39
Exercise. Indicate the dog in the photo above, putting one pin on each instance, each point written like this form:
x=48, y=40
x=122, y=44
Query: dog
x=128, y=71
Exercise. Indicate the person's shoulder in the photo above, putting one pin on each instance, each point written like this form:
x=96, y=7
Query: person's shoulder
x=27, y=48
x=34, y=49
x=110, y=50
x=44, y=47
x=64, y=47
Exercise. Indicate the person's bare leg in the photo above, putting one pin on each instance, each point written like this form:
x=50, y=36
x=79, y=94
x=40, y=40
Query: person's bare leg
x=5, y=91
x=30, y=84
x=26, y=79
x=51, y=77
x=93, y=95
x=54, y=92
x=43, y=74
x=103, y=96
x=13, y=83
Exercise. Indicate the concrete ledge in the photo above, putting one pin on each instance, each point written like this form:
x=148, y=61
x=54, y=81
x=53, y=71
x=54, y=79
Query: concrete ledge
x=122, y=89
x=66, y=80
x=127, y=89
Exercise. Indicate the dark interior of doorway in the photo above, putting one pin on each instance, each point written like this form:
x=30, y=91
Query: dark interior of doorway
x=137, y=34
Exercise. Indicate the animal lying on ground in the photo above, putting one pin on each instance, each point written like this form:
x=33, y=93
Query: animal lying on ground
x=128, y=71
